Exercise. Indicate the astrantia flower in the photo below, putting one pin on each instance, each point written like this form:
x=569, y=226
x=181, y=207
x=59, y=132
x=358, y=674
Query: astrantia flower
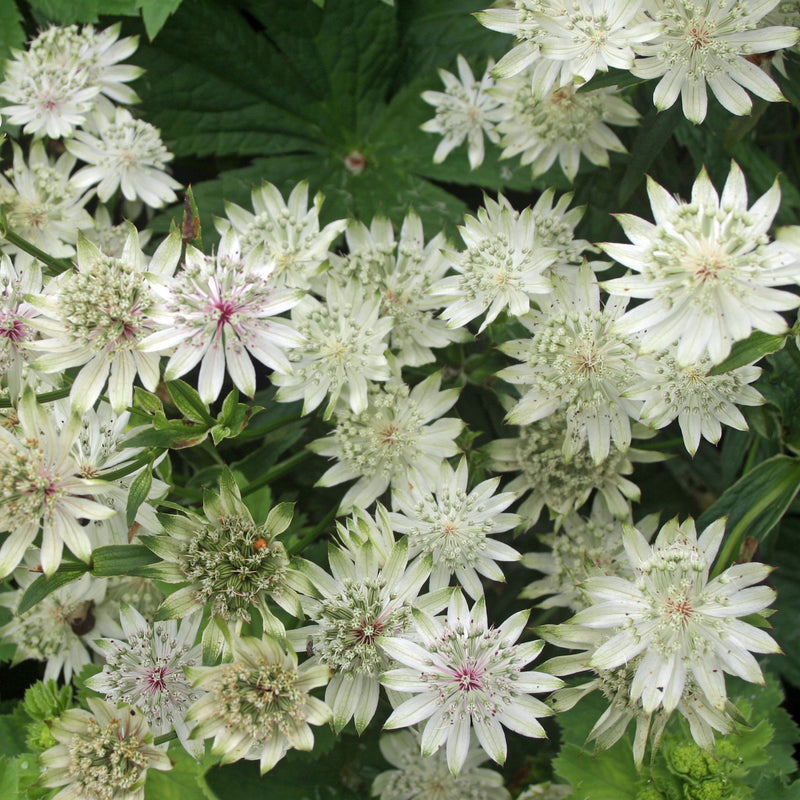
x=145, y=670
x=259, y=705
x=97, y=317
x=681, y=623
x=344, y=347
x=706, y=269
x=42, y=489
x=705, y=41
x=418, y=778
x=555, y=227
x=401, y=273
x=521, y=20
x=399, y=429
x=575, y=361
x=454, y=526
x=466, y=675
x=503, y=267
x=700, y=400
x=561, y=485
x=562, y=123
x=102, y=754
x=218, y=311
x=228, y=562
x=42, y=204
x=353, y=612
x=126, y=154
x=61, y=628
x=284, y=235
x=464, y=110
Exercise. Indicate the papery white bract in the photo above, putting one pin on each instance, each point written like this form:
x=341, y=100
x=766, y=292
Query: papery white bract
x=706, y=269
x=466, y=675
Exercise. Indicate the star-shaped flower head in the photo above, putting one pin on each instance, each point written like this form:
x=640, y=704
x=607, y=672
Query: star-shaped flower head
x=466, y=675
x=706, y=270
x=97, y=317
x=710, y=42
x=464, y=110
x=258, y=705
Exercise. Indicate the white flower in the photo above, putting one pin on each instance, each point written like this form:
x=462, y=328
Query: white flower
x=97, y=317
x=466, y=675
x=284, y=235
x=259, y=705
x=42, y=204
x=219, y=312
x=560, y=123
x=465, y=110
x=353, y=612
x=574, y=361
x=705, y=41
x=399, y=429
x=111, y=238
x=126, y=154
x=524, y=23
x=681, y=623
x=145, y=670
x=102, y=755
x=699, y=399
x=503, y=266
x=42, y=489
x=454, y=525
x=344, y=348
x=706, y=269
x=418, y=778
x=61, y=628
x=401, y=273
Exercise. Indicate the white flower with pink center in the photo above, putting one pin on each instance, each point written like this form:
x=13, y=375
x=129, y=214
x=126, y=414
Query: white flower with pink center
x=147, y=671
x=219, y=312
x=465, y=675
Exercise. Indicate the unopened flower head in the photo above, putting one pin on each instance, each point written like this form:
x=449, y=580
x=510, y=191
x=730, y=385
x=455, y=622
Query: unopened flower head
x=503, y=267
x=219, y=312
x=464, y=110
x=344, y=348
x=102, y=754
x=126, y=154
x=562, y=123
x=455, y=526
x=398, y=430
x=703, y=42
x=228, y=561
x=42, y=489
x=353, y=612
x=97, y=316
x=467, y=675
x=419, y=778
x=701, y=400
x=555, y=227
x=42, y=204
x=561, y=485
x=284, y=236
x=145, y=670
x=706, y=269
x=259, y=705
x=401, y=273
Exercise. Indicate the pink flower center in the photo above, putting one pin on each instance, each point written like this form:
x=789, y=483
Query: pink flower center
x=157, y=680
x=13, y=330
x=468, y=677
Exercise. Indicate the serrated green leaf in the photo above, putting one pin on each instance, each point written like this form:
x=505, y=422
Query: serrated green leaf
x=12, y=34
x=121, y=559
x=147, y=401
x=754, y=505
x=155, y=13
x=139, y=489
x=9, y=777
x=188, y=402
x=67, y=572
x=750, y=350
x=67, y=11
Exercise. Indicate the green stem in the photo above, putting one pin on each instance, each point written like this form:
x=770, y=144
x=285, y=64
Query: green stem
x=165, y=737
x=303, y=539
x=47, y=397
x=277, y=471
x=56, y=265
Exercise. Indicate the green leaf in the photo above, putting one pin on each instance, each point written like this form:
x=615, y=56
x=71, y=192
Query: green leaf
x=137, y=494
x=155, y=13
x=750, y=350
x=67, y=572
x=188, y=402
x=12, y=34
x=185, y=781
x=67, y=11
x=121, y=559
x=9, y=777
x=754, y=505
x=13, y=729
